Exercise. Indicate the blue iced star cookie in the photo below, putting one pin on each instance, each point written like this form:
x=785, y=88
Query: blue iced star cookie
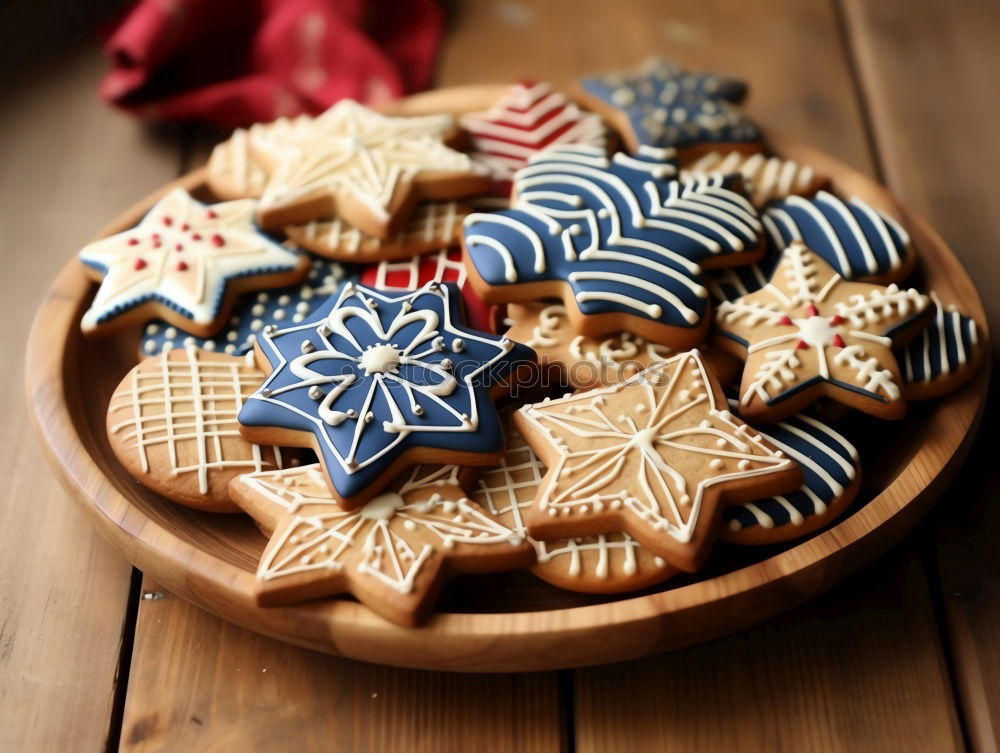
x=830, y=466
x=253, y=312
x=662, y=105
x=620, y=239
x=374, y=381
x=859, y=241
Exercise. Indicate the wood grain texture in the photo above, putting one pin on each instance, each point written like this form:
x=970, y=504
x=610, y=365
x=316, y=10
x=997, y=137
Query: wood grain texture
x=859, y=670
x=63, y=591
x=924, y=69
x=200, y=683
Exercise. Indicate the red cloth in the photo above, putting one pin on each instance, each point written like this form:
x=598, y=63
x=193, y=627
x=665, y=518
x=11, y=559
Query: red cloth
x=237, y=62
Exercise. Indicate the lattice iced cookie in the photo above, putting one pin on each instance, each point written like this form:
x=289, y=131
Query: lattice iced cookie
x=375, y=382
x=657, y=456
x=172, y=424
x=662, y=105
x=943, y=357
x=605, y=563
x=527, y=118
x=619, y=240
x=432, y=226
x=768, y=178
x=362, y=167
x=252, y=312
x=809, y=333
x=393, y=553
x=829, y=463
x=444, y=265
x=185, y=262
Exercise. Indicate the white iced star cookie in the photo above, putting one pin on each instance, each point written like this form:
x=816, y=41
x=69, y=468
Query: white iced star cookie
x=392, y=554
x=362, y=167
x=809, y=333
x=185, y=262
x=656, y=456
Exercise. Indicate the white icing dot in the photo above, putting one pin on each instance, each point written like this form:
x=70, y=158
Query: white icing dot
x=232, y=336
x=258, y=309
x=262, y=297
x=302, y=307
x=256, y=325
x=170, y=333
x=208, y=345
x=284, y=300
x=230, y=349
x=149, y=346
x=279, y=315
x=189, y=341
x=152, y=329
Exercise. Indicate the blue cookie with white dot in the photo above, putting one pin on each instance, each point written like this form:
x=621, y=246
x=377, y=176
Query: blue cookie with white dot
x=665, y=106
x=253, y=312
x=832, y=475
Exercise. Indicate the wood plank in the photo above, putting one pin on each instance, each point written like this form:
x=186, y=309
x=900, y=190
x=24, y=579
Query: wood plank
x=200, y=683
x=69, y=165
x=858, y=670
x=925, y=70
x=788, y=51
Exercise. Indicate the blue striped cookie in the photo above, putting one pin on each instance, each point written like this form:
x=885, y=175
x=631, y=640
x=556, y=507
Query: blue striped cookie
x=830, y=465
x=857, y=240
x=618, y=238
x=943, y=357
x=251, y=314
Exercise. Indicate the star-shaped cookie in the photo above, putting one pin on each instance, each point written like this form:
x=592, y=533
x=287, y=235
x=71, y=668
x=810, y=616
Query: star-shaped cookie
x=375, y=382
x=656, y=456
x=809, y=333
x=365, y=168
x=619, y=239
x=393, y=554
x=185, y=262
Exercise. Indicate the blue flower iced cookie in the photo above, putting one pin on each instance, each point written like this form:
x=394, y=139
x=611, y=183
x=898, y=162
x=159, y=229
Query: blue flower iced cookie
x=832, y=474
x=661, y=105
x=620, y=240
x=859, y=241
x=252, y=312
x=376, y=381
x=943, y=357
x=809, y=333
x=185, y=262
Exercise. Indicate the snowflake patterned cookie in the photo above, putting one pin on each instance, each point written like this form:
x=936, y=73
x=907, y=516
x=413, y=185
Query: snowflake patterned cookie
x=809, y=333
x=376, y=381
x=252, y=312
x=657, y=456
x=604, y=563
x=527, y=118
x=619, y=239
x=829, y=463
x=943, y=357
x=362, y=167
x=767, y=177
x=444, y=265
x=432, y=226
x=661, y=105
x=185, y=262
x=172, y=424
x=392, y=554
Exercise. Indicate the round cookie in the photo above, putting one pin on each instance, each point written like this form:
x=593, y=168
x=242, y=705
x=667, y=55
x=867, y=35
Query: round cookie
x=252, y=312
x=943, y=357
x=362, y=167
x=809, y=333
x=172, y=424
x=606, y=563
x=829, y=463
x=375, y=382
x=618, y=239
x=657, y=456
x=393, y=553
x=432, y=226
x=768, y=178
x=185, y=262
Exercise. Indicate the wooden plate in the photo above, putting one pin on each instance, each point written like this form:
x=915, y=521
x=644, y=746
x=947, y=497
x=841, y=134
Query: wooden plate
x=509, y=621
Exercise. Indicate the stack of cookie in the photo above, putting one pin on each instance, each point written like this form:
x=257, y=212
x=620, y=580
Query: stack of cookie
x=637, y=352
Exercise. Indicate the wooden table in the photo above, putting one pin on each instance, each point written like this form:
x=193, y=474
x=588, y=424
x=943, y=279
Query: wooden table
x=904, y=656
